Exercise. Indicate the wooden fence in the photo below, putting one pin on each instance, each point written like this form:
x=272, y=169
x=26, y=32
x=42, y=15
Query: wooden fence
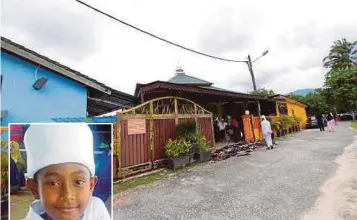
x=143, y=131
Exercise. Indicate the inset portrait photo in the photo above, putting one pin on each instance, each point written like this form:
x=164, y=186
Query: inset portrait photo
x=60, y=171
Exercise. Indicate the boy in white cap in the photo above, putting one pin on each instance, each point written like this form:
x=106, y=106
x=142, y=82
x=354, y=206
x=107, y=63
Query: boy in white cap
x=61, y=171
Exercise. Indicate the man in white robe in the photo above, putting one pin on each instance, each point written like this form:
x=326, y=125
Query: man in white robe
x=266, y=129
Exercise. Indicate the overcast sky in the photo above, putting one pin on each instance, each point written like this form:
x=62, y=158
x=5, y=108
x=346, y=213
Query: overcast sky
x=298, y=36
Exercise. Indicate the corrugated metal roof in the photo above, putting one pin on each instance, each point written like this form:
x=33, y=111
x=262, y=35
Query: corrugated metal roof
x=216, y=88
x=186, y=79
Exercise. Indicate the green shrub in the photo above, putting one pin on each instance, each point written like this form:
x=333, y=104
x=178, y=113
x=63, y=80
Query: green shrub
x=285, y=122
x=186, y=130
x=298, y=120
x=177, y=148
x=275, y=126
x=202, y=144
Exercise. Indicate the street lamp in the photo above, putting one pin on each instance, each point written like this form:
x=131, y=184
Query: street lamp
x=250, y=67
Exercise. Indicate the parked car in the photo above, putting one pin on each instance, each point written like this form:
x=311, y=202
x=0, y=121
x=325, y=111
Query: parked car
x=312, y=122
x=347, y=116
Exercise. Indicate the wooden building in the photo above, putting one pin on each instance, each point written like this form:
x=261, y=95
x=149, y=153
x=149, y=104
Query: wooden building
x=221, y=102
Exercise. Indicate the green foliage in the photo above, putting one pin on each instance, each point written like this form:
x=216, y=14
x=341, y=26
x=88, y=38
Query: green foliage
x=297, y=120
x=275, y=126
x=286, y=122
x=316, y=102
x=298, y=98
x=177, y=148
x=202, y=144
x=340, y=89
x=186, y=131
x=263, y=92
x=343, y=54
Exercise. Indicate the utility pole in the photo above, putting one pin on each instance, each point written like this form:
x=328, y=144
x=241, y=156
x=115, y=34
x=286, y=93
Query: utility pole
x=249, y=63
x=250, y=67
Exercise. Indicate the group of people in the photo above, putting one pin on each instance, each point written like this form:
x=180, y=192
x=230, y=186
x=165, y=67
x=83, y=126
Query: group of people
x=227, y=130
x=329, y=119
x=268, y=134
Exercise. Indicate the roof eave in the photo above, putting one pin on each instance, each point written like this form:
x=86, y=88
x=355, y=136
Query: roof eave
x=47, y=64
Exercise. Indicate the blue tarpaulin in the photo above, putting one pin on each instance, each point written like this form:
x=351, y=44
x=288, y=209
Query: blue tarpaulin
x=104, y=119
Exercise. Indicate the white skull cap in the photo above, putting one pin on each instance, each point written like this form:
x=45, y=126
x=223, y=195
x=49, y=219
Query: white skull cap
x=50, y=144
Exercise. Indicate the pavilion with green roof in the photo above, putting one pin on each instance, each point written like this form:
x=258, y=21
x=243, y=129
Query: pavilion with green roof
x=221, y=102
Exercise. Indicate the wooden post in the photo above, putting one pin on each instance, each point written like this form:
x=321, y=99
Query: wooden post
x=213, y=137
x=176, y=111
x=152, y=135
x=196, y=121
x=118, y=150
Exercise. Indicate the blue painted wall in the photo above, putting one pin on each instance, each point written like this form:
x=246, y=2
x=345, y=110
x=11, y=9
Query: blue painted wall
x=60, y=97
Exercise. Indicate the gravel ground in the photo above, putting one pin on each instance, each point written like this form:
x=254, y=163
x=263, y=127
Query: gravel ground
x=279, y=184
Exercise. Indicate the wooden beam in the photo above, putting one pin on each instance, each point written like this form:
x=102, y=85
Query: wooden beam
x=109, y=102
x=176, y=111
x=119, y=145
x=152, y=133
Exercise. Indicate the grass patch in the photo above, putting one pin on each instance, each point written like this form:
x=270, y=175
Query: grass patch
x=119, y=187
x=145, y=180
x=354, y=125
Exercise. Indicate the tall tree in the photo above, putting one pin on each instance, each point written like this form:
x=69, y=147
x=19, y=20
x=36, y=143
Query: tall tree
x=263, y=92
x=340, y=89
x=343, y=54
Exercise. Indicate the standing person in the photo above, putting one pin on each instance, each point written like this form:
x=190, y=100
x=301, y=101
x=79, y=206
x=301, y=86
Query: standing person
x=329, y=118
x=320, y=122
x=266, y=129
x=222, y=129
x=236, y=132
x=335, y=118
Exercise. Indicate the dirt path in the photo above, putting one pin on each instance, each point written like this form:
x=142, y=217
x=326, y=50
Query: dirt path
x=339, y=194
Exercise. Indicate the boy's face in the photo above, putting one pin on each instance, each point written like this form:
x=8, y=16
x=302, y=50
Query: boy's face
x=64, y=190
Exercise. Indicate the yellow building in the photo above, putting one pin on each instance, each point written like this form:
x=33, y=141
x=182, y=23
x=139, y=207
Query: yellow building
x=287, y=106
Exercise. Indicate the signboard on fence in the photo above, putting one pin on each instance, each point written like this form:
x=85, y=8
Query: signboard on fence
x=136, y=126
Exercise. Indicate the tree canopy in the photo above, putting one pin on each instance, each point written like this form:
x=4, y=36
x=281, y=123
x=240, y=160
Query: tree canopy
x=343, y=54
x=340, y=87
x=263, y=92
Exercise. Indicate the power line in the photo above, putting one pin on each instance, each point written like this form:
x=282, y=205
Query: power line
x=157, y=37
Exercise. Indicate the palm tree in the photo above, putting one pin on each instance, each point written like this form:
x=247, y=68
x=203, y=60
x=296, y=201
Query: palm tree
x=343, y=54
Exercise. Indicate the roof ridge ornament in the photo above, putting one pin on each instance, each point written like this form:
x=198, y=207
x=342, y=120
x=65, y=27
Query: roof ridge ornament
x=180, y=71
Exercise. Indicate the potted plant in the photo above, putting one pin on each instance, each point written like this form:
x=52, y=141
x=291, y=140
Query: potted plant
x=204, y=150
x=275, y=126
x=298, y=122
x=284, y=123
x=178, y=152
